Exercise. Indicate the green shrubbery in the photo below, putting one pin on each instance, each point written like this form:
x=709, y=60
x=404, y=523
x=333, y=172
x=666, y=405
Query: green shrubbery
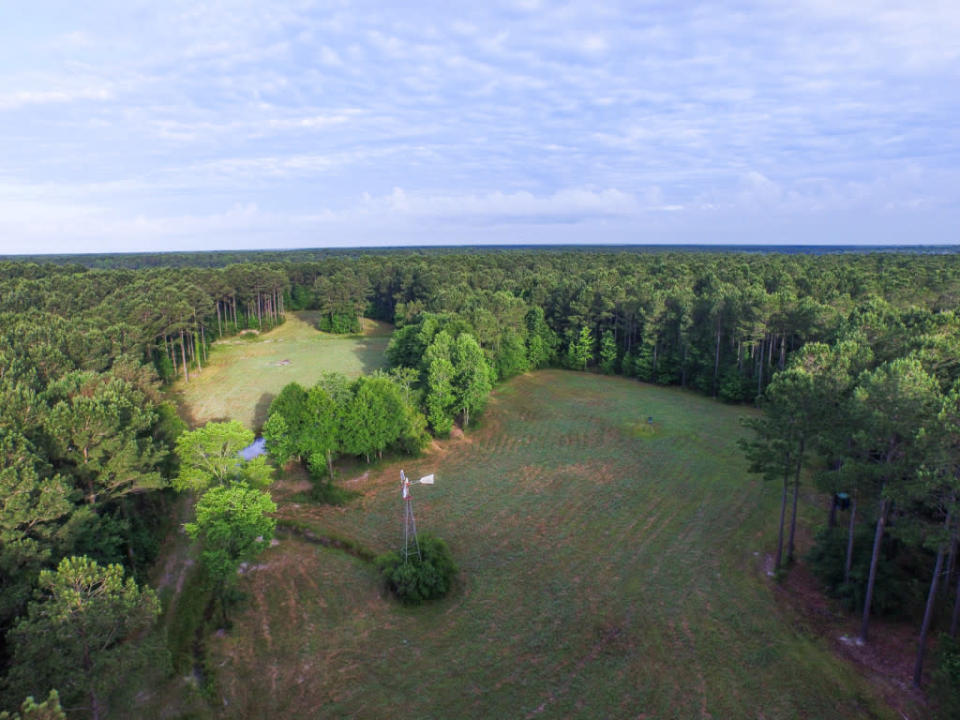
x=323, y=491
x=340, y=324
x=424, y=577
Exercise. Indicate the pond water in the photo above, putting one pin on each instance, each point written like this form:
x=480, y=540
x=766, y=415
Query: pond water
x=259, y=447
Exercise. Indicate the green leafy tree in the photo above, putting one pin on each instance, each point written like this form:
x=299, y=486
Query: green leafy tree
x=375, y=417
x=608, y=353
x=440, y=399
x=511, y=358
x=580, y=349
x=82, y=633
x=210, y=456
x=281, y=443
x=323, y=440
x=541, y=340
x=359, y=426
x=292, y=405
x=233, y=525
x=471, y=382
x=49, y=709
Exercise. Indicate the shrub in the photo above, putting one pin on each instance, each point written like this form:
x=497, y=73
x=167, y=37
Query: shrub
x=424, y=577
x=324, y=491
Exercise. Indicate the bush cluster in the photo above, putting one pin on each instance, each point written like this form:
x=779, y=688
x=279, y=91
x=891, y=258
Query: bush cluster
x=422, y=577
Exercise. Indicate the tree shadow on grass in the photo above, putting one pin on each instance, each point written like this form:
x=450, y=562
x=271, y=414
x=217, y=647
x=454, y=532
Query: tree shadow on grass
x=371, y=351
x=187, y=415
x=260, y=411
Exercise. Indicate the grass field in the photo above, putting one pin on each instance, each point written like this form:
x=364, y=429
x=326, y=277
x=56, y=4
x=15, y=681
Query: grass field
x=245, y=373
x=607, y=571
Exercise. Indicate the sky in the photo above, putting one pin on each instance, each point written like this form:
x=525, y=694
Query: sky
x=141, y=126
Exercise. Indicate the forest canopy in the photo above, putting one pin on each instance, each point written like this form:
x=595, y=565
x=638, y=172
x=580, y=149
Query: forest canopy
x=89, y=346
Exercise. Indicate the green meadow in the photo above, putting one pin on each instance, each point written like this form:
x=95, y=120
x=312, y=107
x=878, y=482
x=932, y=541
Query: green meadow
x=610, y=568
x=246, y=372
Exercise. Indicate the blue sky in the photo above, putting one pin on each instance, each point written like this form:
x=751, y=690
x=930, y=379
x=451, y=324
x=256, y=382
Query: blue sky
x=135, y=126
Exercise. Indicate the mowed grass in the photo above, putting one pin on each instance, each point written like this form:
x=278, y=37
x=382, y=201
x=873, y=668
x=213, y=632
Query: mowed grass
x=245, y=374
x=608, y=570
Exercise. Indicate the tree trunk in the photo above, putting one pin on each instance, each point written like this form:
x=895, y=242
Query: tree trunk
x=219, y=327
x=783, y=513
x=716, y=362
x=259, y=315
x=783, y=351
x=330, y=464
x=203, y=344
x=874, y=561
x=87, y=665
x=94, y=704
x=197, y=352
x=796, y=493
x=760, y=371
x=951, y=561
x=683, y=367
x=236, y=325
x=955, y=618
x=183, y=355
x=126, y=516
x=853, y=520
x=928, y=613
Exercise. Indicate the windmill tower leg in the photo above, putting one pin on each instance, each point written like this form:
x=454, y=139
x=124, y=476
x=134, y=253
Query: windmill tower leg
x=409, y=530
x=409, y=521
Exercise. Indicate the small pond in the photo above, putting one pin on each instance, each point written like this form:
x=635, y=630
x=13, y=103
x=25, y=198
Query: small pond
x=259, y=447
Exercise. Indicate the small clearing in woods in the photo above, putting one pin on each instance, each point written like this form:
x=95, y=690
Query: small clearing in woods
x=603, y=574
x=245, y=374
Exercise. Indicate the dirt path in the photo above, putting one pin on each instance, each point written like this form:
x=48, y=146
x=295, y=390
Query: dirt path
x=175, y=557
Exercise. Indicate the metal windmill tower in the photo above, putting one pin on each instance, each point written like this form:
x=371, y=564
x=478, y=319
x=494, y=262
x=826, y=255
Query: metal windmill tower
x=409, y=521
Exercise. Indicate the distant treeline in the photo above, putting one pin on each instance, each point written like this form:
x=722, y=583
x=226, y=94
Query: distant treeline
x=222, y=258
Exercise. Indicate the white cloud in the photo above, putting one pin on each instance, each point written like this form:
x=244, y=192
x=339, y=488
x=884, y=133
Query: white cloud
x=518, y=206
x=22, y=98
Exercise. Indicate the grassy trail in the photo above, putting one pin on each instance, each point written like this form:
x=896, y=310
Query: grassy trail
x=609, y=569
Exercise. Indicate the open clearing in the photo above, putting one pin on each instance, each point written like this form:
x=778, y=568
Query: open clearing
x=606, y=571
x=246, y=372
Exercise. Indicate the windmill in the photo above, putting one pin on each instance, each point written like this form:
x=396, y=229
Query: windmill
x=409, y=522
